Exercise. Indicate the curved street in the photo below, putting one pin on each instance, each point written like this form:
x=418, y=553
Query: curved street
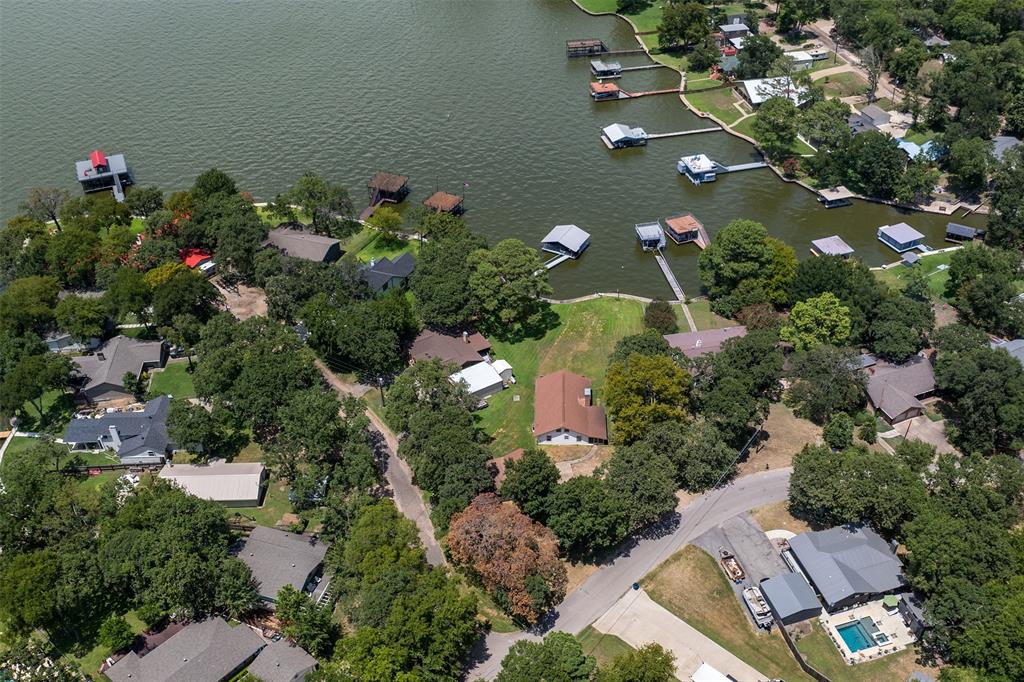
x=601, y=590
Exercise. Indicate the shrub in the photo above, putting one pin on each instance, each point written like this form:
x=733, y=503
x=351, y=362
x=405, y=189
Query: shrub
x=659, y=316
x=116, y=634
x=838, y=432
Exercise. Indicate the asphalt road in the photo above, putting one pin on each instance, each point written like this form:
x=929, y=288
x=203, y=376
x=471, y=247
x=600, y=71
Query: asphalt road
x=602, y=589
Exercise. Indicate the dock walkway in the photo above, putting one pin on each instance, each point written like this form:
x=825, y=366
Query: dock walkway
x=643, y=68
x=680, y=133
x=677, y=290
x=556, y=261
x=741, y=167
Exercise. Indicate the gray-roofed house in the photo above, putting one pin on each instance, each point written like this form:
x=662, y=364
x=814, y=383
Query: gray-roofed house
x=277, y=558
x=791, y=598
x=877, y=115
x=831, y=246
x=295, y=240
x=207, y=651
x=235, y=484
x=386, y=274
x=936, y=41
x=105, y=369
x=957, y=233
x=912, y=610
x=1003, y=144
x=900, y=237
x=566, y=240
x=859, y=123
x=696, y=344
x=896, y=390
x=136, y=437
x=1014, y=347
x=848, y=565
x=282, y=661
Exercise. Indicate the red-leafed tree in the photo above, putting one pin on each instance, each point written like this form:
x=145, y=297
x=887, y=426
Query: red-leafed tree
x=515, y=558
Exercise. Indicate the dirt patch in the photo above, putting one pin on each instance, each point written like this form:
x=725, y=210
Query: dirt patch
x=243, y=301
x=784, y=435
x=567, y=453
x=945, y=315
x=776, y=516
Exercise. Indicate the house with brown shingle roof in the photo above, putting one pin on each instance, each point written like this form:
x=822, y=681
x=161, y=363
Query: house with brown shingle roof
x=696, y=344
x=564, y=412
x=461, y=351
x=896, y=390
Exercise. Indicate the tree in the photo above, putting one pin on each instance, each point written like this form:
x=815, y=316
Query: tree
x=699, y=454
x=72, y=256
x=874, y=164
x=644, y=391
x=825, y=124
x=440, y=282
x=825, y=380
x=644, y=480
x=683, y=24
x=661, y=317
x=1006, y=219
x=515, y=558
x=23, y=605
x=758, y=55
x=873, y=62
x=775, y=126
x=508, y=284
x=918, y=182
x=44, y=204
x=185, y=293
x=144, y=201
x=742, y=264
x=388, y=221
x=310, y=625
x=705, y=55
x=993, y=643
x=792, y=14
x=558, y=658
x=328, y=204
x=193, y=428
x=907, y=62
x=129, y=294
x=424, y=385
x=649, y=343
x=649, y=663
x=236, y=588
x=30, y=379
x=587, y=517
x=27, y=305
x=900, y=327
x=529, y=482
x=211, y=183
x=817, y=321
x=184, y=333
x=116, y=634
x=838, y=432
x=83, y=318
x=916, y=455
x=968, y=160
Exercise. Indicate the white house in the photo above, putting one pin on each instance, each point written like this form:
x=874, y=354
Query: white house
x=482, y=379
x=564, y=412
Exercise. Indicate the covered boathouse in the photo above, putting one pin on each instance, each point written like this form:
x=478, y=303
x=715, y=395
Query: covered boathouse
x=604, y=91
x=835, y=197
x=698, y=168
x=650, y=235
x=831, y=246
x=684, y=228
x=900, y=237
x=603, y=69
x=100, y=172
x=585, y=47
x=442, y=202
x=566, y=240
x=388, y=187
x=620, y=136
x=957, y=233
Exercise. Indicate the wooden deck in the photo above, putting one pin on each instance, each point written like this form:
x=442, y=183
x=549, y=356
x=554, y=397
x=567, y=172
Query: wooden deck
x=677, y=290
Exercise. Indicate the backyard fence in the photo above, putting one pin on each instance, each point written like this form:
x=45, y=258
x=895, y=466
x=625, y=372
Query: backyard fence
x=804, y=665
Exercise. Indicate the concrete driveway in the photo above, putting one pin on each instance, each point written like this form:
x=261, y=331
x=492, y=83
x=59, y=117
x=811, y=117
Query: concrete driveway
x=638, y=620
x=924, y=429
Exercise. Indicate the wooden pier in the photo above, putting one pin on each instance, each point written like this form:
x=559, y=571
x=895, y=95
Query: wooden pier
x=677, y=290
x=594, y=47
x=742, y=167
x=680, y=133
x=643, y=68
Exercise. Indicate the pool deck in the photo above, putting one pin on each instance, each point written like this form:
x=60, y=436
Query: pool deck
x=891, y=624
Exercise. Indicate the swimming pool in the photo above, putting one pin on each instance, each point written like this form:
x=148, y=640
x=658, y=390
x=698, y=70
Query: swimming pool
x=856, y=636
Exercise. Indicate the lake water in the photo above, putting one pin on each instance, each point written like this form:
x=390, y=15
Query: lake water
x=445, y=91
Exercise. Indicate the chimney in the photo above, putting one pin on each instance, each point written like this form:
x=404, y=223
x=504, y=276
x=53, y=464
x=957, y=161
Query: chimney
x=588, y=396
x=465, y=336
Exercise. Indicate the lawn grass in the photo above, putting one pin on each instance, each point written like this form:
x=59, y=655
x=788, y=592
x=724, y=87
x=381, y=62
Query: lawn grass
x=355, y=243
x=498, y=619
x=843, y=84
x=690, y=585
x=698, y=84
x=99, y=480
x=674, y=60
x=718, y=103
x=16, y=450
x=90, y=662
x=897, y=276
x=833, y=60
x=704, y=318
x=376, y=249
x=822, y=654
x=275, y=505
x=585, y=335
x=58, y=407
x=920, y=136
x=173, y=380
x=646, y=20
x=143, y=333
x=601, y=646
x=746, y=127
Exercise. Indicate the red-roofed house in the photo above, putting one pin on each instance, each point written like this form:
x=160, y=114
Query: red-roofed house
x=564, y=412
x=197, y=258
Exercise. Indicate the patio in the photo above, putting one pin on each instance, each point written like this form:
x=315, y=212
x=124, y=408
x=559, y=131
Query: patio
x=889, y=623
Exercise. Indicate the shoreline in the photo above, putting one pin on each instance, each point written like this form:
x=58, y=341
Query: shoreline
x=778, y=171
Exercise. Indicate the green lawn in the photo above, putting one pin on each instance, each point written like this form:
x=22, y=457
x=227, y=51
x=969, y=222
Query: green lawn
x=275, y=505
x=700, y=310
x=833, y=61
x=822, y=654
x=647, y=20
x=718, y=103
x=17, y=449
x=270, y=219
x=355, y=243
x=843, y=84
x=920, y=136
x=674, y=60
x=376, y=249
x=57, y=406
x=99, y=480
x=581, y=342
x=698, y=84
x=692, y=586
x=897, y=276
x=144, y=333
x=601, y=646
x=174, y=380
x=746, y=127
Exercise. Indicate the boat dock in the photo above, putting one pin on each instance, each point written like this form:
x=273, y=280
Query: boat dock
x=557, y=260
x=646, y=93
x=680, y=133
x=643, y=68
x=669, y=275
x=741, y=167
x=589, y=47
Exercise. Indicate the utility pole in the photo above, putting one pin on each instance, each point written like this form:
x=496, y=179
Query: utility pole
x=380, y=387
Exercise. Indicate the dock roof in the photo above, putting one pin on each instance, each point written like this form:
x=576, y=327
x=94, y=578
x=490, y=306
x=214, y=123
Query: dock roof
x=568, y=236
x=649, y=231
x=86, y=171
x=900, y=232
x=698, y=163
x=442, y=201
x=683, y=223
x=603, y=88
x=836, y=193
x=961, y=230
x=621, y=131
x=832, y=246
x=387, y=182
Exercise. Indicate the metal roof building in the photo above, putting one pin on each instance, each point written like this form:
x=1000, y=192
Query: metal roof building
x=848, y=564
x=566, y=240
x=277, y=558
x=295, y=240
x=231, y=484
x=760, y=90
x=791, y=598
x=900, y=237
x=481, y=380
x=831, y=246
